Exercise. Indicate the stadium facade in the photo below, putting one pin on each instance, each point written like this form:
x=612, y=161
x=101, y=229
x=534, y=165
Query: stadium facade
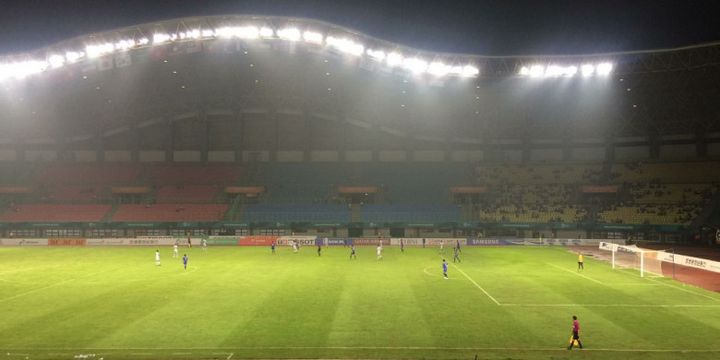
x=269, y=125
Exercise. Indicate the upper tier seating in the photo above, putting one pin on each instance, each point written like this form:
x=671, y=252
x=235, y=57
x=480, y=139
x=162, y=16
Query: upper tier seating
x=333, y=213
x=89, y=174
x=186, y=193
x=54, y=212
x=171, y=212
x=192, y=174
x=410, y=213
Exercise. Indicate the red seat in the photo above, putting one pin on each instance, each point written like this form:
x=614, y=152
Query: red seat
x=54, y=212
x=171, y=212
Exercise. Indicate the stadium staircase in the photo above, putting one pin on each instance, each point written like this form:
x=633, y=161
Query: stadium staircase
x=111, y=213
x=355, y=212
x=233, y=211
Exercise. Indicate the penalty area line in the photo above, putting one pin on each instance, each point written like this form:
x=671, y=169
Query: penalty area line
x=578, y=274
x=477, y=285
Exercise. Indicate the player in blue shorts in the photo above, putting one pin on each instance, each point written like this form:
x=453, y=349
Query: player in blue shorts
x=445, y=267
x=185, y=261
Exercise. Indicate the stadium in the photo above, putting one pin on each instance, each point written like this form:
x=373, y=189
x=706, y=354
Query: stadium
x=270, y=149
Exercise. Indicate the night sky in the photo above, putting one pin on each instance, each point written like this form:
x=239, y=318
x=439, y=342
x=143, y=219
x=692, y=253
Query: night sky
x=500, y=27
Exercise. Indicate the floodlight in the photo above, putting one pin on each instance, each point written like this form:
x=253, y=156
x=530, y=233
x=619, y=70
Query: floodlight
x=266, y=32
x=72, y=56
x=524, y=71
x=345, y=45
x=125, y=44
x=377, y=55
x=537, y=71
x=193, y=34
x=438, y=69
x=587, y=69
x=159, y=38
x=207, y=33
x=56, y=61
x=394, y=59
x=571, y=70
x=604, y=69
x=247, y=32
x=290, y=34
x=94, y=51
x=313, y=37
x=415, y=65
x=553, y=70
x=143, y=41
x=470, y=71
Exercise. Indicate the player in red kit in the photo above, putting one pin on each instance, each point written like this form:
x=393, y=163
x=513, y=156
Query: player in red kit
x=575, y=334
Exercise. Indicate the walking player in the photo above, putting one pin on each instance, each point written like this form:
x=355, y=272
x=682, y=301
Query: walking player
x=575, y=334
x=445, y=267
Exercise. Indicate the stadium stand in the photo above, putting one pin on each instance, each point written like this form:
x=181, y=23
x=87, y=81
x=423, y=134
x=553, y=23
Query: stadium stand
x=170, y=212
x=192, y=174
x=186, y=193
x=105, y=174
x=333, y=213
x=54, y=212
x=381, y=213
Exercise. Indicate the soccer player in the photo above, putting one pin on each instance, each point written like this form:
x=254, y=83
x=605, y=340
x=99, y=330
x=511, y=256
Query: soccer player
x=581, y=265
x=456, y=254
x=379, y=251
x=575, y=333
x=353, y=255
x=402, y=245
x=458, y=246
x=444, y=267
x=319, y=250
x=189, y=241
x=175, y=251
x=272, y=247
x=204, y=244
x=442, y=246
x=423, y=243
x=185, y=261
x=157, y=257
x=295, y=246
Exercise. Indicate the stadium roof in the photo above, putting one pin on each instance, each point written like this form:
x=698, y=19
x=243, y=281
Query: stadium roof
x=351, y=43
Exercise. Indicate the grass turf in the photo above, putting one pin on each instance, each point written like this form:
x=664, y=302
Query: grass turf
x=243, y=302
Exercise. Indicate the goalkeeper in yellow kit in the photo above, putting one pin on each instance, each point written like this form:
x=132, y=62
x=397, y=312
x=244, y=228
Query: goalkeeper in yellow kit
x=581, y=265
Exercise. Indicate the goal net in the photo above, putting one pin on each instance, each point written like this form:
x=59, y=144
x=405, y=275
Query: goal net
x=632, y=257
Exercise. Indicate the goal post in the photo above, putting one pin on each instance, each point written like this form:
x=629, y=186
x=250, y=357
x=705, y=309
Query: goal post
x=646, y=261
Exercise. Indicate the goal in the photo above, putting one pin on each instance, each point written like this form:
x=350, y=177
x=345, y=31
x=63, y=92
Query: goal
x=645, y=260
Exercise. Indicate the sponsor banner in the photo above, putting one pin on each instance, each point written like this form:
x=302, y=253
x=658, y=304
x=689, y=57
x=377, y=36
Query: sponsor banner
x=406, y=241
x=371, y=241
x=66, y=242
x=338, y=241
x=488, y=242
x=690, y=261
x=107, y=242
x=223, y=240
x=156, y=241
x=24, y=242
x=607, y=246
x=257, y=240
x=446, y=241
x=302, y=240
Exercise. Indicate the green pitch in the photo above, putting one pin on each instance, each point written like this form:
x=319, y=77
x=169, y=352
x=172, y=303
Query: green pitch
x=233, y=303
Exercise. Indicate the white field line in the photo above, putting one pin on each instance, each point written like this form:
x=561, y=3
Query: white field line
x=230, y=356
x=623, y=271
x=477, y=285
x=579, y=274
x=617, y=305
x=561, y=349
x=683, y=289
